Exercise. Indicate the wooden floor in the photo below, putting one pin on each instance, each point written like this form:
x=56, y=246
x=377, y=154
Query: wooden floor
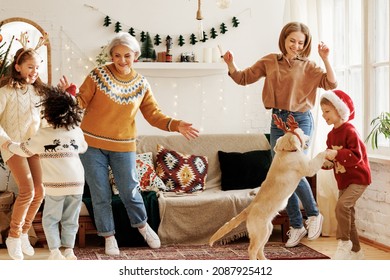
x=325, y=245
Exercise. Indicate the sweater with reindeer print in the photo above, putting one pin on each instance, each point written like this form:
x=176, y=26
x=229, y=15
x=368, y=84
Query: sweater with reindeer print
x=58, y=150
x=351, y=165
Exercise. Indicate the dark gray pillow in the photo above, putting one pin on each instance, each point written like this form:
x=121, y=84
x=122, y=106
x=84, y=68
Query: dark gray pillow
x=243, y=170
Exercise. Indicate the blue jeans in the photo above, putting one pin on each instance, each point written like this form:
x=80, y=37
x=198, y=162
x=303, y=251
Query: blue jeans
x=303, y=191
x=63, y=209
x=123, y=165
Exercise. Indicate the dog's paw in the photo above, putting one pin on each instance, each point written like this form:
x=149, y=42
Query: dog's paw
x=254, y=191
x=328, y=165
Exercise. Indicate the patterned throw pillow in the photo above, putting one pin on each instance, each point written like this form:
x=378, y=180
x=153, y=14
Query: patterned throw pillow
x=181, y=173
x=148, y=179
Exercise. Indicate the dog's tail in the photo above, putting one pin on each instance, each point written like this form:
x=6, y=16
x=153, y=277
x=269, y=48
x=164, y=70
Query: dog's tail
x=229, y=226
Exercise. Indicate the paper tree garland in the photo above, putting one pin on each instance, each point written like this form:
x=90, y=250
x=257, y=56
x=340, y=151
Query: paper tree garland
x=118, y=27
x=193, y=39
x=131, y=31
x=181, y=38
x=157, y=40
x=235, y=22
x=181, y=41
x=107, y=21
x=142, y=36
x=223, y=29
x=213, y=33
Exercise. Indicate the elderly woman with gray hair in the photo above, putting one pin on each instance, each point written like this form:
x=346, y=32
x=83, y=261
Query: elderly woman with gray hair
x=111, y=96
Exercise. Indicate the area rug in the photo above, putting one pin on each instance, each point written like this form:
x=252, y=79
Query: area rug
x=235, y=251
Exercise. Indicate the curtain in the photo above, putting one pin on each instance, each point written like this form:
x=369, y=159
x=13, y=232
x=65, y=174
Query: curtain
x=317, y=15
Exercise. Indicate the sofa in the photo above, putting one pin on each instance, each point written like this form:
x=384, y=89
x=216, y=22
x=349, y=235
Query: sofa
x=192, y=216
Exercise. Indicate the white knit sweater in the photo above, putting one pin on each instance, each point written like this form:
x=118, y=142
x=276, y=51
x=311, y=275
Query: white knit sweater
x=58, y=149
x=19, y=115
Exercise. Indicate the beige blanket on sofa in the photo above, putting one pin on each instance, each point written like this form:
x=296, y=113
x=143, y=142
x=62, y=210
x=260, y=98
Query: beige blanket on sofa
x=192, y=219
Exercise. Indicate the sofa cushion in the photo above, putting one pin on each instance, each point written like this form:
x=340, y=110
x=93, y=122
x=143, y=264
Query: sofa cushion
x=181, y=172
x=243, y=170
x=148, y=179
x=206, y=145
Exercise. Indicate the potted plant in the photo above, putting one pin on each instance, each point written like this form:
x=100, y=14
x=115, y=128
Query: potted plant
x=381, y=125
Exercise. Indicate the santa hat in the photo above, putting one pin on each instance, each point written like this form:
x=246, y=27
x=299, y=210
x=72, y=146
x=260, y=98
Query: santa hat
x=342, y=102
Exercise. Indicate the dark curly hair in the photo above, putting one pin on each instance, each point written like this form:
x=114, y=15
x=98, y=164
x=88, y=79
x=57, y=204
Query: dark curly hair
x=60, y=109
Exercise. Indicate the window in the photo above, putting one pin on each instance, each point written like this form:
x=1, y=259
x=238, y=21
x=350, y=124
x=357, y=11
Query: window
x=378, y=62
x=361, y=60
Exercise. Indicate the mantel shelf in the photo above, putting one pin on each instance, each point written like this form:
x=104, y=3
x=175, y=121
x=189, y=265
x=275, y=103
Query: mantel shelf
x=179, y=69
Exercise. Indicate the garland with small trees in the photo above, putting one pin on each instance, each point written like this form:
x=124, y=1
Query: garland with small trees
x=181, y=41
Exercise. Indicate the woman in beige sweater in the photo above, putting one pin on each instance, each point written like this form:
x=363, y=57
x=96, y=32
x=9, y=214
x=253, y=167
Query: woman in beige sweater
x=290, y=87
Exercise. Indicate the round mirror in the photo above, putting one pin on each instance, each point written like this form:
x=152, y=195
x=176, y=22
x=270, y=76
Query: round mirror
x=10, y=31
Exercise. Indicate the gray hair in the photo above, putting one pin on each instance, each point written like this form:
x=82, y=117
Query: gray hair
x=127, y=40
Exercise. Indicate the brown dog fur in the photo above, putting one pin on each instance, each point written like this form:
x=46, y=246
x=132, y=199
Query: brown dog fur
x=288, y=167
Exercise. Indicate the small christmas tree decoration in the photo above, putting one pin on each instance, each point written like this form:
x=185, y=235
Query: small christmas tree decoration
x=157, y=40
x=223, y=28
x=107, y=21
x=193, y=39
x=142, y=36
x=147, y=50
x=204, y=37
x=213, y=33
x=131, y=31
x=181, y=41
x=118, y=27
x=235, y=22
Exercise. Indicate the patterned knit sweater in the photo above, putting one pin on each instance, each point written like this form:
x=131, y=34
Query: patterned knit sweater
x=58, y=150
x=19, y=116
x=351, y=165
x=111, y=101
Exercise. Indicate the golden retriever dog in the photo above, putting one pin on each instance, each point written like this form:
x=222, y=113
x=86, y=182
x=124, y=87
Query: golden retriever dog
x=288, y=167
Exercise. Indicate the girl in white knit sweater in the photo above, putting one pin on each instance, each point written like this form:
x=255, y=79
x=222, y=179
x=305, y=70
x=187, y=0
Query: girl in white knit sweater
x=58, y=146
x=19, y=120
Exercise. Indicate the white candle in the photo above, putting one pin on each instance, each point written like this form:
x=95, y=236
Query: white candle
x=207, y=55
x=216, y=55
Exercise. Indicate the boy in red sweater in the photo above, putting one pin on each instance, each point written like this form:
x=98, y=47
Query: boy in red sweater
x=351, y=169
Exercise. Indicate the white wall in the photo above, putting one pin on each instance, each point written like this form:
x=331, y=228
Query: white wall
x=373, y=208
x=214, y=104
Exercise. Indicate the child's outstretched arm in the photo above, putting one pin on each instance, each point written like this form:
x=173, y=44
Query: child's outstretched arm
x=68, y=87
